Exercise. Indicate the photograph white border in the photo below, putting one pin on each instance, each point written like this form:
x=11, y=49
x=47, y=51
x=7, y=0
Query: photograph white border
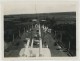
x=41, y=58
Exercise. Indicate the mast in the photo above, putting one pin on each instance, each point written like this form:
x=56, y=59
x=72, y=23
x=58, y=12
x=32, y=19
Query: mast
x=40, y=40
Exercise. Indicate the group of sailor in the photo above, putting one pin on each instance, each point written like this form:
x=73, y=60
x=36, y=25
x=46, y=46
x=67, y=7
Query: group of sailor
x=46, y=29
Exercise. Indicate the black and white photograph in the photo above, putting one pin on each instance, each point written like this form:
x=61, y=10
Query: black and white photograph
x=39, y=28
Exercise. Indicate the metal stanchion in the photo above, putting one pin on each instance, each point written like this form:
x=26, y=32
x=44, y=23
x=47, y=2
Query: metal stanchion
x=61, y=37
x=13, y=37
x=69, y=46
x=19, y=33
